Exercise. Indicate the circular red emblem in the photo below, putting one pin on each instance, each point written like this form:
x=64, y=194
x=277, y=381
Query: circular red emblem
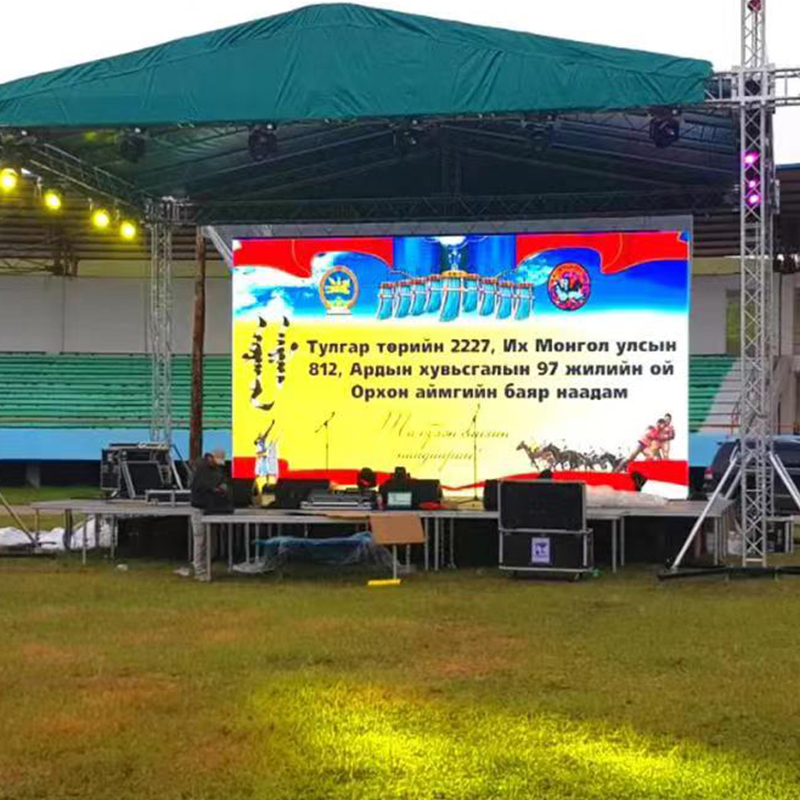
x=569, y=286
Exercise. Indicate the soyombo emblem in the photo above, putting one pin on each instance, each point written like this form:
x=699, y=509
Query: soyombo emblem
x=338, y=290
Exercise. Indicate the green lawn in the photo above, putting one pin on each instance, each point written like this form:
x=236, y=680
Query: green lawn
x=22, y=495
x=455, y=686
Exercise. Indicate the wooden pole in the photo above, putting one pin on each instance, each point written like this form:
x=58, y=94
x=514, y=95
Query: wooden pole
x=198, y=345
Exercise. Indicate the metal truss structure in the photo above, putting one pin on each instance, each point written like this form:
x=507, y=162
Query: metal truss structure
x=755, y=95
x=724, y=88
x=754, y=90
x=751, y=88
x=160, y=324
x=467, y=208
x=49, y=161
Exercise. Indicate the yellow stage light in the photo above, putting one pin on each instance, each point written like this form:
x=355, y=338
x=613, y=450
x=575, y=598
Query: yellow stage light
x=127, y=230
x=8, y=179
x=52, y=199
x=101, y=218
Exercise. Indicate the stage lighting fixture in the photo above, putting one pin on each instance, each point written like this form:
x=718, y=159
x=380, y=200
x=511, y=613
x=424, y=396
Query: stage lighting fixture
x=785, y=263
x=8, y=179
x=752, y=87
x=262, y=143
x=753, y=198
x=101, y=219
x=750, y=158
x=409, y=138
x=665, y=131
x=127, y=230
x=540, y=137
x=132, y=145
x=53, y=199
x=406, y=138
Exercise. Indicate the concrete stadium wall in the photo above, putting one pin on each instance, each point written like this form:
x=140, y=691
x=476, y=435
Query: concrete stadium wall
x=709, y=303
x=102, y=315
x=109, y=315
x=707, y=331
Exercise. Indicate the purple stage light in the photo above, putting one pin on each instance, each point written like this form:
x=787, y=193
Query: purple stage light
x=754, y=198
x=750, y=158
x=753, y=184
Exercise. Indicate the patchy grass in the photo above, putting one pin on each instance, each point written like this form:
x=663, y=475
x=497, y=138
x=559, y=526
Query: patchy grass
x=456, y=686
x=47, y=521
x=23, y=495
x=7, y=521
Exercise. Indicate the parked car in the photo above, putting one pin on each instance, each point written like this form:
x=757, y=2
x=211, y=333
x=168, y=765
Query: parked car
x=788, y=451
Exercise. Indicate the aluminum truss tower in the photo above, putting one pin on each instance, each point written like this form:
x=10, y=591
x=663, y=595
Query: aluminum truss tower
x=754, y=90
x=160, y=323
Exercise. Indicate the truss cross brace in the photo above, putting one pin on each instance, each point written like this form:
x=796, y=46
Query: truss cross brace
x=160, y=329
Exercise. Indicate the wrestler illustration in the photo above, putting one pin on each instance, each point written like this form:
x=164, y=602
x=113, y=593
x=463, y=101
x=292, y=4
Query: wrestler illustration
x=654, y=444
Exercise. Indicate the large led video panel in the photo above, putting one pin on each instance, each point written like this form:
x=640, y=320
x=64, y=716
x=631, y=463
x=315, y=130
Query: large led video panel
x=497, y=354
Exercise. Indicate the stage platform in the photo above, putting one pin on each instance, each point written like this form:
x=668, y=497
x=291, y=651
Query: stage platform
x=439, y=549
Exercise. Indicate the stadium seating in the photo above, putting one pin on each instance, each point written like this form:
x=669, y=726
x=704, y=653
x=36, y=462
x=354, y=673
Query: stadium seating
x=711, y=399
x=103, y=391
x=100, y=391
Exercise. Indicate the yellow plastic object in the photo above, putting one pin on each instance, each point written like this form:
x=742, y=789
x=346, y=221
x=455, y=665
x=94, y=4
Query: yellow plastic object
x=384, y=582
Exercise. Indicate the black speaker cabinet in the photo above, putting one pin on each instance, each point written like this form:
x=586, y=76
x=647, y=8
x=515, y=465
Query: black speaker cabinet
x=542, y=506
x=290, y=493
x=490, y=495
x=109, y=473
x=425, y=491
x=242, y=492
x=552, y=552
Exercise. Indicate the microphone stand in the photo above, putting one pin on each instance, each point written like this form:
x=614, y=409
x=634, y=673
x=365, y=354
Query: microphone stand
x=475, y=453
x=326, y=425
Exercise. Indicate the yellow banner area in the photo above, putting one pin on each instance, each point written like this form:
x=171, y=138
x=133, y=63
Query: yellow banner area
x=426, y=397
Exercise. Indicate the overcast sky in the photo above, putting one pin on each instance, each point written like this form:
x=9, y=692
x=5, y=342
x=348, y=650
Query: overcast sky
x=40, y=35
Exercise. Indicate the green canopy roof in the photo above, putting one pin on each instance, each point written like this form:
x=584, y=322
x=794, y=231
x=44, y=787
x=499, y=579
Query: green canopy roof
x=348, y=62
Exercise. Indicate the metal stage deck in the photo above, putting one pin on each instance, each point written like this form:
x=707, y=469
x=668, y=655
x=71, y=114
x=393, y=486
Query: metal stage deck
x=439, y=526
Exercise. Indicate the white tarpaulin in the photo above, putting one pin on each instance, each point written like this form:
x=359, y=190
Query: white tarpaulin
x=54, y=539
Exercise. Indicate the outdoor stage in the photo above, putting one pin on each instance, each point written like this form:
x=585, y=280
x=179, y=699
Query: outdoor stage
x=229, y=534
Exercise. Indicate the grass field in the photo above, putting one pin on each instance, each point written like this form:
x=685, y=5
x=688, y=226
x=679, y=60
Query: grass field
x=454, y=686
x=22, y=495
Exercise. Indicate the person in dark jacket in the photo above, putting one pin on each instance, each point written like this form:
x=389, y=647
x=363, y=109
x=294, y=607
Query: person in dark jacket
x=209, y=486
x=210, y=495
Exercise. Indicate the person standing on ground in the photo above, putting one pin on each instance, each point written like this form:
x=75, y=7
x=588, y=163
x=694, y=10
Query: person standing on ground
x=210, y=495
